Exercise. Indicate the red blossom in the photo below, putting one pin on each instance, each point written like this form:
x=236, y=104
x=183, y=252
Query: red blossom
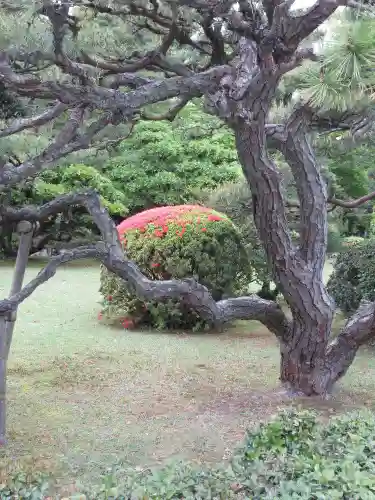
x=160, y=216
x=100, y=316
x=127, y=322
x=109, y=298
x=155, y=264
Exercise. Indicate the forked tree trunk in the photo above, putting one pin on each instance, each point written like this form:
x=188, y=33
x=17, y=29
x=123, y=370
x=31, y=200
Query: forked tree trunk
x=303, y=362
x=309, y=364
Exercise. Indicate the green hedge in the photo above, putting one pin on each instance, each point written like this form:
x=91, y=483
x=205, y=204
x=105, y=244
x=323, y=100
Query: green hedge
x=292, y=457
x=176, y=242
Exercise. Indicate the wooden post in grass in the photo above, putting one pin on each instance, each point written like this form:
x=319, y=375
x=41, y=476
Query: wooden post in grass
x=25, y=231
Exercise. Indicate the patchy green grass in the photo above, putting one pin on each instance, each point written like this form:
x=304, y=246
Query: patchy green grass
x=83, y=396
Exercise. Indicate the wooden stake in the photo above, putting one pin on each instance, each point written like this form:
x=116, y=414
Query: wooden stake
x=25, y=230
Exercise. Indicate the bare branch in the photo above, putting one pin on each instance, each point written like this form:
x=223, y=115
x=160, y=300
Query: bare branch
x=213, y=31
x=170, y=115
x=58, y=15
x=69, y=130
x=112, y=143
x=111, y=254
x=352, y=203
x=359, y=329
x=59, y=148
x=34, y=121
x=294, y=28
x=108, y=99
x=118, y=67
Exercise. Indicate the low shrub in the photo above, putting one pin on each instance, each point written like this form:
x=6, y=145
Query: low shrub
x=353, y=276
x=294, y=456
x=349, y=241
x=176, y=242
x=22, y=485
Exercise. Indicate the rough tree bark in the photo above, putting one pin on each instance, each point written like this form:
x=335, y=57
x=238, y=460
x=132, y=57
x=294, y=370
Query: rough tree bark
x=239, y=85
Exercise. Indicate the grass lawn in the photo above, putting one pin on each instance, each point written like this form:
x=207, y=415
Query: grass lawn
x=83, y=396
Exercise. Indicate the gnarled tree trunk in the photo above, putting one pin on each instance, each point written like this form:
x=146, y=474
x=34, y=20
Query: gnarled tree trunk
x=309, y=363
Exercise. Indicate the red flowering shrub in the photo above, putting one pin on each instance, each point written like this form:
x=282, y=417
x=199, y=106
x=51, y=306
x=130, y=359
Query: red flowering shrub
x=176, y=242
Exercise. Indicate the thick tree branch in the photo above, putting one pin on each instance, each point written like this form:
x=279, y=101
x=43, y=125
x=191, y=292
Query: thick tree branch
x=359, y=329
x=294, y=28
x=352, y=203
x=34, y=121
x=311, y=188
x=108, y=99
x=58, y=14
x=123, y=107
x=111, y=254
x=114, y=67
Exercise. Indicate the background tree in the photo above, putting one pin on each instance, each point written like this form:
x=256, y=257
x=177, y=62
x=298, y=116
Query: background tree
x=236, y=55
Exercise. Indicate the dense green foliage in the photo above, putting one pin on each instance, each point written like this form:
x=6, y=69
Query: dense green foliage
x=350, y=169
x=77, y=177
x=350, y=175
x=353, y=276
x=292, y=457
x=161, y=163
x=176, y=242
x=169, y=163
x=72, y=225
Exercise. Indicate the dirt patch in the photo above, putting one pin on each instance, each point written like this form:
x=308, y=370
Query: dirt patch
x=248, y=330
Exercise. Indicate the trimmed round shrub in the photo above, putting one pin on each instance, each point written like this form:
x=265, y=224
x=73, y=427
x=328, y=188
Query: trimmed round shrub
x=176, y=242
x=353, y=277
